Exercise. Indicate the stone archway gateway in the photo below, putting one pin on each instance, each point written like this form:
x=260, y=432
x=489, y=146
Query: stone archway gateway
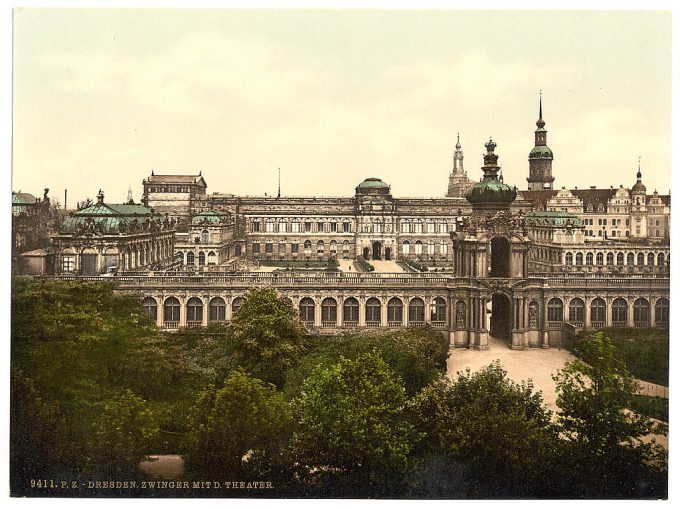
x=377, y=249
x=501, y=317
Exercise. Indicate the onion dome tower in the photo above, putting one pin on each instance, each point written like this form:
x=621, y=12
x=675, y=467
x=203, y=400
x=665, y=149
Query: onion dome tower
x=490, y=195
x=540, y=157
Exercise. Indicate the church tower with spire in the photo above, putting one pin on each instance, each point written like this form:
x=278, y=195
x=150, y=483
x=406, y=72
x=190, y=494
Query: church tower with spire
x=540, y=157
x=458, y=179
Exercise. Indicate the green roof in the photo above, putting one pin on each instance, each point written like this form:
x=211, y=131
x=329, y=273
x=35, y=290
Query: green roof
x=373, y=182
x=108, y=217
x=490, y=191
x=552, y=218
x=211, y=217
x=541, y=151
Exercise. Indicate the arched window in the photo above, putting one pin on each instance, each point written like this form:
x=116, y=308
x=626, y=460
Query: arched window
x=444, y=248
x=416, y=311
x=350, y=311
x=171, y=312
x=419, y=248
x=295, y=225
x=345, y=247
x=329, y=312
x=661, y=309
x=236, y=305
x=619, y=312
x=430, y=247
x=218, y=310
x=660, y=260
x=150, y=308
x=191, y=259
x=610, y=258
x=640, y=259
x=307, y=310
x=205, y=237
x=406, y=248
x=641, y=313
x=630, y=259
x=619, y=259
x=194, y=310
x=269, y=226
x=589, y=259
x=405, y=226
x=555, y=310
x=577, y=311
x=201, y=258
x=319, y=248
x=579, y=259
x=599, y=258
x=377, y=226
x=212, y=259
x=569, y=258
x=283, y=226
x=418, y=226
x=439, y=310
x=372, y=311
x=650, y=259
x=395, y=311
x=598, y=313
x=334, y=247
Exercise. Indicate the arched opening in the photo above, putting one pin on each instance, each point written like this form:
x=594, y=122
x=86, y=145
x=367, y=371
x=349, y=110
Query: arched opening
x=500, y=257
x=218, y=310
x=88, y=262
x=377, y=249
x=150, y=308
x=329, y=312
x=501, y=317
x=395, y=312
x=367, y=253
x=350, y=312
x=388, y=253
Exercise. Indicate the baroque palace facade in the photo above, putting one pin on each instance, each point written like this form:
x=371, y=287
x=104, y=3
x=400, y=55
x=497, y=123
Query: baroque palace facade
x=532, y=267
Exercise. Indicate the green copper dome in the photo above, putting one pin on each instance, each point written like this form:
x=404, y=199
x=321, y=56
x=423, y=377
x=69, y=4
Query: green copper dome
x=541, y=151
x=373, y=183
x=491, y=191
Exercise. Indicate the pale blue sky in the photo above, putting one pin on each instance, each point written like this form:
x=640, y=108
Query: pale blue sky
x=102, y=97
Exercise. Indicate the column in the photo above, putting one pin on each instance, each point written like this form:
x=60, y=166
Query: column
x=362, y=311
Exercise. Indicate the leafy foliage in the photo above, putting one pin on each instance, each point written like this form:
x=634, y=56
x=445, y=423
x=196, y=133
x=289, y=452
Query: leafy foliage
x=351, y=433
x=238, y=430
x=417, y=355
x=124, y=434
x=362, y=265
x=494, y=435
x=266, y=335
x=607, y=449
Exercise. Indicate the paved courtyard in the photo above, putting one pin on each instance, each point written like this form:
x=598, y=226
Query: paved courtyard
x=536, y=364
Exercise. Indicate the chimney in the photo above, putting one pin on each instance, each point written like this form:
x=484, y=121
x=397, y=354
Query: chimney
x=100, y=198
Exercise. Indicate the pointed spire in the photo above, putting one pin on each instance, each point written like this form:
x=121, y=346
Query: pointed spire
x=540, y=123
x=639, y=173
x=458, y=145
x=129, y=195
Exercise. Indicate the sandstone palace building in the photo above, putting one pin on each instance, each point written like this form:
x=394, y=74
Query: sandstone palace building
x=530, y=266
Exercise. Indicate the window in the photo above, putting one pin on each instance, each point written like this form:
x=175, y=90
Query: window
x=576, y=311
x=555, y=310
x=405, y=227
x=439, y=310
x=569, y=259
x=610, y=258
x=150, y=308
x=443, y=227
x=589, y=258
x=256, y=247
x=294, y=247
x=308, y=226
x=430, y=226
x=650, y=259
x=295, y=226
x=171, y=310
x=619, y=313
x=406, y=248
x=268, y=247
x=329, y=311
x=444, y=248
x=350, y=310
x=334, y=226
x=68, y=263
x=373, y=311
x=419, y=248
x=641, y=313
x=307, y=310
x=660, y=260
x=269, y=226
x=395, y=311
x=283, y=226
x=256, y=225
x=418, y=226
x=201, y=258
x=218, y=310
x=319, y=226
x=598, y=312
x=416, y=311
x=640, y=259
x=600, y=258
x=661, y=309
x=205, y=237
x=430, y=247
x=319, y=248
x=345, y=247
x=346, y=226
x=630, y=259
x=619, y=259
x=194, y=310
x=579, y=259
